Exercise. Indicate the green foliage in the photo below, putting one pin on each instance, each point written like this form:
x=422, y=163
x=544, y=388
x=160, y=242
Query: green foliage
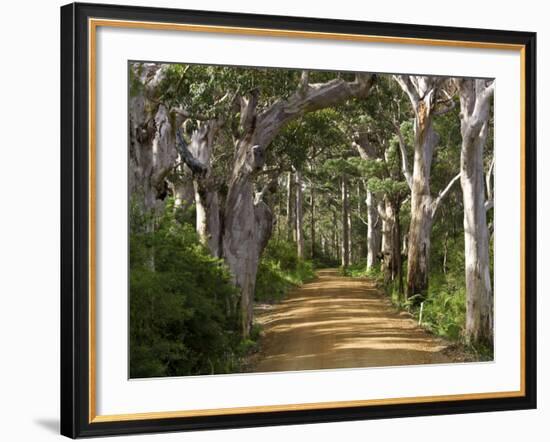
x=179, y=299
x=340, y=166
x=388, y=186
x=280, y=269
x=307, y=137
x=444, y=310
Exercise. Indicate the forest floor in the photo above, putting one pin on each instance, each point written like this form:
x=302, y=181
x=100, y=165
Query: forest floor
x=342, y=322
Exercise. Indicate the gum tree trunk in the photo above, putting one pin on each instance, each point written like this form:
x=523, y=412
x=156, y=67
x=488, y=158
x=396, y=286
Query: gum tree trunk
x=247, y=229
x=208, y=219
x=152, y=152
x=299, y=216
x=312, y=223
x=350, y=239
x=422, y=92
x=475, y=102
x=345, y=225
x=374, y=237
x=397, y=265
x=374, y=226
x=388, y=227
x=289, y=208
x=335, y=244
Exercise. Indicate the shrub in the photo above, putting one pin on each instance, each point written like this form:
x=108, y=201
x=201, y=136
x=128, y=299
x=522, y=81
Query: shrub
x=444, y=310
x=180, y=302
x=279, y=270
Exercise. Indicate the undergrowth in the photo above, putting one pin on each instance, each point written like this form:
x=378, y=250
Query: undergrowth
x=181, y=322
x=280, y=269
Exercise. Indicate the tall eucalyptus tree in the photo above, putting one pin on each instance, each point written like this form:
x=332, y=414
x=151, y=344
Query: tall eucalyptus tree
x=428, y=98
x=475, y=105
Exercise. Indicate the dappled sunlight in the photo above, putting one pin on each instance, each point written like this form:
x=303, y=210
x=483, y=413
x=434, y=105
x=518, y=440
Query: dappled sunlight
x=339, y=322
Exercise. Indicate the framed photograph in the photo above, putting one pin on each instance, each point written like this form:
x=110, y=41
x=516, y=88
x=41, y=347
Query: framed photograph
x=272, y=220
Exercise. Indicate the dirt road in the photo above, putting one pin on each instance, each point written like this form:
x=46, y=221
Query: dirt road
x=341, y=322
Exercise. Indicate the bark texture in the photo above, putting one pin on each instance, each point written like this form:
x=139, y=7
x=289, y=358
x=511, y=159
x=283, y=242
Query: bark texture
x=152, y=151
x=198, y=157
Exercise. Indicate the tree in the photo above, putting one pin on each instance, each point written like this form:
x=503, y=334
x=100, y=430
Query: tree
x=345, y=222
x=247, y=219
x=374, y=223
x=475, y=105
x=424, y=94
x=290, y=203
x=299, y=215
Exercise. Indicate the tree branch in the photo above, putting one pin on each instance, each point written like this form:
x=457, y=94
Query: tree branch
x=407, y=85
x=488, y=180
x=248, y=111
x=363, y=220
x=304, y=83
x=481, y=107
x=359, y=208
x=189, y=115
x=404, y=160
x=490, y=200
x=442, y=194
x=450, y=104
x=197, y=168
x=317, y=96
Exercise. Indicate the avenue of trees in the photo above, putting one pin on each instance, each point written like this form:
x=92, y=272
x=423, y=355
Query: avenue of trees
x=236, y=172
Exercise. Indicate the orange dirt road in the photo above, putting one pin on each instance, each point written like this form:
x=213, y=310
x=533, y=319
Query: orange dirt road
x=341, y=322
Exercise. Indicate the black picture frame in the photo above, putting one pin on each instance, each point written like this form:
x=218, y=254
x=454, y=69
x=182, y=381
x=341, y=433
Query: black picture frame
x=75, y=221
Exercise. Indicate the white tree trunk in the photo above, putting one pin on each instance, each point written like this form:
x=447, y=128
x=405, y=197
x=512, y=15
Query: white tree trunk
x=422, y=92
x=475, y=100
x=299, y=216
x=290, y=207
x=345, y=225
x=374, y=226
x=312, y=224
x=388, y=222
x=350, y=238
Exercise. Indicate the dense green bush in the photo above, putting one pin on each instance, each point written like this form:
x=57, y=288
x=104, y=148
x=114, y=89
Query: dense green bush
x=180, y=302
x=280, y=269
x=444, y=308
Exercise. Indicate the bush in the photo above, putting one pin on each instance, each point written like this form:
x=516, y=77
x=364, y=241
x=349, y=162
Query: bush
x=279, y=270
x=180, y=302
x=359, y=270
x=444, y=311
